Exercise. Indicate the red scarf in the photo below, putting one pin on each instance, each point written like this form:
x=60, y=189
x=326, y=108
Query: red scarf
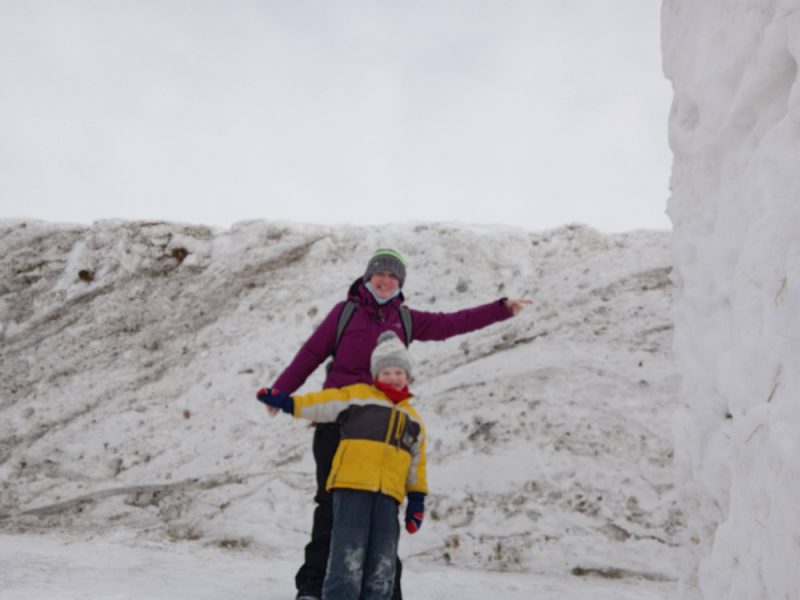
x=393, y=394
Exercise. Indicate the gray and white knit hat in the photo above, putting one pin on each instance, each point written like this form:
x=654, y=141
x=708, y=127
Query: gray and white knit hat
x=390, y=352
x=389, y=261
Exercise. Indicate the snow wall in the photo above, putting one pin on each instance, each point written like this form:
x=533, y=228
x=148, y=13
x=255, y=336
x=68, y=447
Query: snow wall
x=735, y=134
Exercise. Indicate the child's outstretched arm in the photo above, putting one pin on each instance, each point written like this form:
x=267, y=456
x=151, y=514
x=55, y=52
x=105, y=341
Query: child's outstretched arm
x=327, y=405
x=321, y=407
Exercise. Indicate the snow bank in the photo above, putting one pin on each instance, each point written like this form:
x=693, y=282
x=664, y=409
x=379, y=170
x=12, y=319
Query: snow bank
x=132, y=352
x=735, y=133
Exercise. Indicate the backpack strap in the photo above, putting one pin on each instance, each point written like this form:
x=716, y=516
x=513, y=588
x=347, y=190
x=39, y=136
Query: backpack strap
x=344, y=318
x=408, y=325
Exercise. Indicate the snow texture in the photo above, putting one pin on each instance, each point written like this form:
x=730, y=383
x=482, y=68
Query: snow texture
x=735, y=134
x=129, y=430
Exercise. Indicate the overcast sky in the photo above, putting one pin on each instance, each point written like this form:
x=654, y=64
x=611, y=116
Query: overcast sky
x=533, y=113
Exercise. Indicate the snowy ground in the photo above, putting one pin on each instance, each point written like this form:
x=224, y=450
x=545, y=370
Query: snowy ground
x=46, y=567
x=131, y=353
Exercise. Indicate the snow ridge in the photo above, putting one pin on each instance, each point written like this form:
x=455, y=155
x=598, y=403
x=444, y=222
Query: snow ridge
x=131, y=352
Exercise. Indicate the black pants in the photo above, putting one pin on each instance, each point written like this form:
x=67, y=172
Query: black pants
x=311, y=575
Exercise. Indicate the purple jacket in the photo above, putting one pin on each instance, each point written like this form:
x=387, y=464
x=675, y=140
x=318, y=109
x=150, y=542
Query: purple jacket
x=352, y=361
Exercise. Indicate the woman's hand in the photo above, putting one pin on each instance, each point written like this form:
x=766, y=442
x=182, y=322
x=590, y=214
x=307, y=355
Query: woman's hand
x=515, y=306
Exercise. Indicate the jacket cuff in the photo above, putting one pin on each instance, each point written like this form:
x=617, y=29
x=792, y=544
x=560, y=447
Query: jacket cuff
x=507, y=310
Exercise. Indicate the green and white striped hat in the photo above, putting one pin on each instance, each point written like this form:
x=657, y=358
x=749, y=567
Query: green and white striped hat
x=388, y=260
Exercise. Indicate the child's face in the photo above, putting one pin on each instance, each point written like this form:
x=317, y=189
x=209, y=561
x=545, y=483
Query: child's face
x=395, y=377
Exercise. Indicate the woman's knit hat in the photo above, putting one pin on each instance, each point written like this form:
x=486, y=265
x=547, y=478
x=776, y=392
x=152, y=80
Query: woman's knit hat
x=389, y=261
x=390, y=352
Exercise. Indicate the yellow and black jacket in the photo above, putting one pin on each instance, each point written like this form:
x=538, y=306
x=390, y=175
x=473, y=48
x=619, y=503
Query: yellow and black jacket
x=383, y=443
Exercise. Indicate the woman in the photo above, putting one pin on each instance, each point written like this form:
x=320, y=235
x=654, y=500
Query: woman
x=377, y=300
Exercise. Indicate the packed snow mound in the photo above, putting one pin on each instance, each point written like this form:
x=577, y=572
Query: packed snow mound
x=735, y=135
x=131, y=353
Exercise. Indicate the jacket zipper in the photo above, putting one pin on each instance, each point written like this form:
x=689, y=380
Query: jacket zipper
x=389, y=429
x=387, y=442
x=398, y=434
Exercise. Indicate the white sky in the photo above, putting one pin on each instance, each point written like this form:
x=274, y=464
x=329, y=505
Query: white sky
x=529, y=113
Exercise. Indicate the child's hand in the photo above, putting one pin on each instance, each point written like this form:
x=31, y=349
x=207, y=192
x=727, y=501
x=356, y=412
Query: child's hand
x=415, y=511
x=276, y=399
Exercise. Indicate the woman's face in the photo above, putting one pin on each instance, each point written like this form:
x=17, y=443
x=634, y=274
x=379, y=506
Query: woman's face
x=384, y=283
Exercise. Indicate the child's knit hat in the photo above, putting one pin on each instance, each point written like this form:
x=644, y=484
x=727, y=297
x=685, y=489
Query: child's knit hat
x=389, y=261
x=390, y=352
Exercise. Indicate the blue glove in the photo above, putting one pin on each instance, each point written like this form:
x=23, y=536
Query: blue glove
x=277, y=399
x=415, y=511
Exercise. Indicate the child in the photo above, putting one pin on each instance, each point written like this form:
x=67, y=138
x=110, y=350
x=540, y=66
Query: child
x=380, y=461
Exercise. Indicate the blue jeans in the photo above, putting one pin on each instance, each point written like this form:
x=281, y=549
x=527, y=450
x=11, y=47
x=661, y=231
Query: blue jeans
x=361, y=565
